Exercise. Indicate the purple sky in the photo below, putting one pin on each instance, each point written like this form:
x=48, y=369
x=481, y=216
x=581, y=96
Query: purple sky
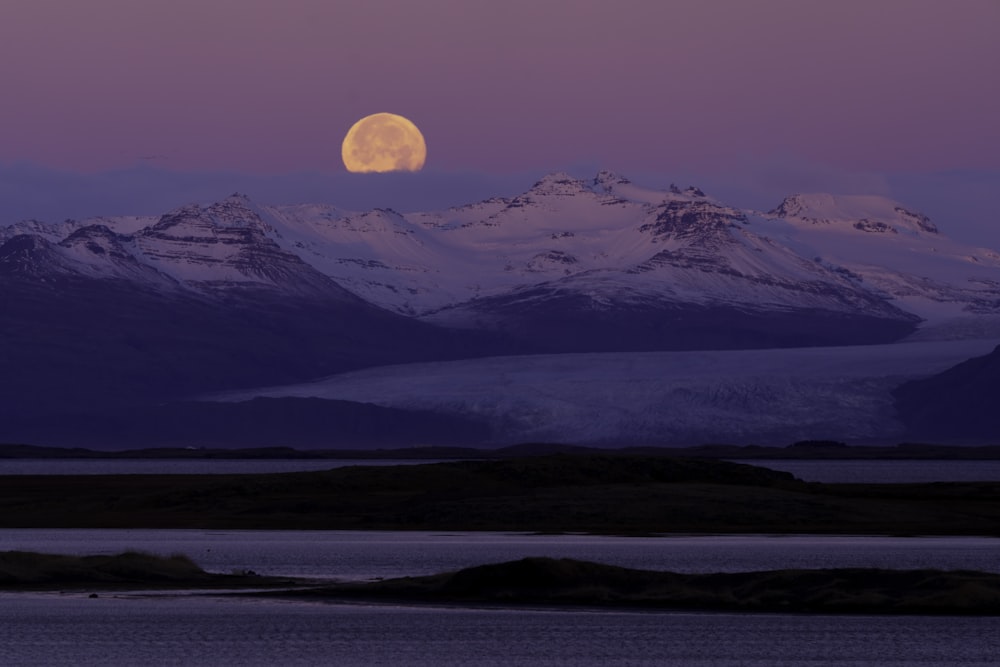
x=754, y=96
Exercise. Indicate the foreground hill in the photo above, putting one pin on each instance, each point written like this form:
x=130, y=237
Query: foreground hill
x=547, y=581
x=541, y=581
x=600, y=494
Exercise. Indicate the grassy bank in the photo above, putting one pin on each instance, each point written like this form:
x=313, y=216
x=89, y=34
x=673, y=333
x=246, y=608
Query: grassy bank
x=600, y=494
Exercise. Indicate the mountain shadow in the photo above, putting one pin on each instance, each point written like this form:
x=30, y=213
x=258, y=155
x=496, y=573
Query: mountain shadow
x=958, y=404
x=77, y=344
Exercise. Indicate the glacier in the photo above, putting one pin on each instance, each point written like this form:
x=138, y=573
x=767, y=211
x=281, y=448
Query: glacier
x=769, y=396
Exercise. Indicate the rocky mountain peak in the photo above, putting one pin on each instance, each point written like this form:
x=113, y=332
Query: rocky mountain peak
x=865, y=213
x=53, y=232
x=792, y=206
x=606, y=180
x=690, y=191
x=558, y=184
x=918, y=220
x=94, y=231
x=23, y=245
x=237, y=211
x=694, y=221
x=29, y=255
x=97, y=239
x=234, y=215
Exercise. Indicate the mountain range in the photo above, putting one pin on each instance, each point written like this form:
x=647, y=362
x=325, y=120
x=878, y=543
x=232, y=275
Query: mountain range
x=110, y=313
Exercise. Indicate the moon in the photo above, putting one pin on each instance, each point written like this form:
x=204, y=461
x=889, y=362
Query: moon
x=383, y=142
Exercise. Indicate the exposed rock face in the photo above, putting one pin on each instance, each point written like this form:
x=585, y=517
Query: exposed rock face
x=700, y=222
x=826, y=209
x=28, y=256
x=226, y=246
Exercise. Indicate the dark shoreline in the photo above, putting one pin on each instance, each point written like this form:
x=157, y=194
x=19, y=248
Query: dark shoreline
x=561, y=583
x=536, y=582
x=128, y=571
x=614, y=495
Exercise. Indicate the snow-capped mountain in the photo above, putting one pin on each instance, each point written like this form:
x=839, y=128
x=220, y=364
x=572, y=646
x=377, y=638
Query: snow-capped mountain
x=889, y=250
x=220, y=247
x=609, y=246
x=569, y=264
x=606, y=240
x=97, y=313
x=124, y=311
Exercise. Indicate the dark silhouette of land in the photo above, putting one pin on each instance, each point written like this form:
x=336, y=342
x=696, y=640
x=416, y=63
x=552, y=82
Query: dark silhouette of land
x=27, y=570
x=960, y=402
x=566, y=582
x=541, y=581
x=559, y=493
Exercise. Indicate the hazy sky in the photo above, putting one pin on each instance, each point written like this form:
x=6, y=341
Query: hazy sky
x=750, y=94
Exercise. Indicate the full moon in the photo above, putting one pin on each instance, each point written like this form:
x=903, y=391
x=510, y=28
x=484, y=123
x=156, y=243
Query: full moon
x=383, y=142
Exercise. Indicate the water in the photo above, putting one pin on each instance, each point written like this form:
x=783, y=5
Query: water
x=116, y=629
x=365, y=555
x=811, y=471
x=171, y=629
x=885, y=472
x=74, y=630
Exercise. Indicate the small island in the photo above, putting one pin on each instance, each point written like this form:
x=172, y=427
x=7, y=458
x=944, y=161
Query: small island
x=574, y=583
x=537, y=581
x=610, y=494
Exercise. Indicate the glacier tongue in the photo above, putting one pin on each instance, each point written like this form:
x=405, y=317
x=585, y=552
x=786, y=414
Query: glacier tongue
x=736, y=396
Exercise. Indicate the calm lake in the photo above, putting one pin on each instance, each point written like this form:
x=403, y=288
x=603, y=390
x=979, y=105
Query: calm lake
x=74, y=630
x=902, y=471
x=165, y=629
x=369, y=554
x=168, y=629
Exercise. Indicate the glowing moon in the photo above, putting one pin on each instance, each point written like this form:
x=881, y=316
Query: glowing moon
x=383, y=142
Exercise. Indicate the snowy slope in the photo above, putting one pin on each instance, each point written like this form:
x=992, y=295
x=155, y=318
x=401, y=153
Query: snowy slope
x=880, y=244
x=57, y=231
x=203, y=249
x=602, y=246
x=606, y=238
x=614, y=242
x=743, y=396
x=228, y=244
x=420, y=262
